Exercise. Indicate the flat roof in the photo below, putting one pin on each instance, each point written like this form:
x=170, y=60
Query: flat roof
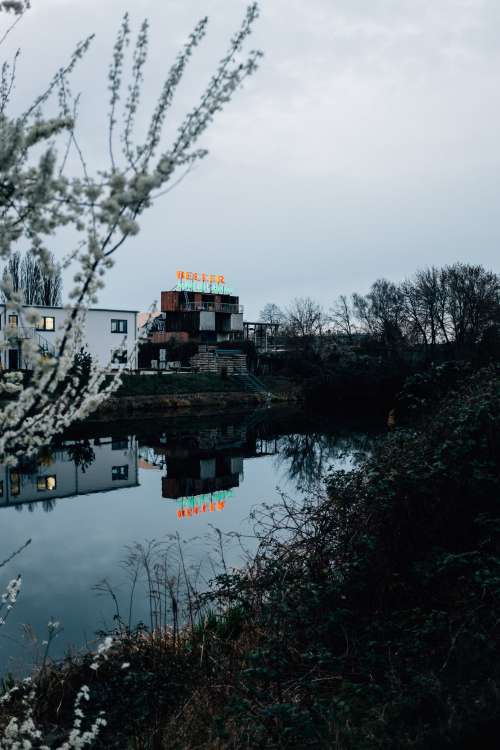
x=90, y=309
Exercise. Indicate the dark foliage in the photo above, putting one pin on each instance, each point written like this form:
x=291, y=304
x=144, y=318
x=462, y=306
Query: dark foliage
x=359, y=384
x=368, y=619
x=81, y=453
x=174, y=384
x=82, y=366
x=376, y=621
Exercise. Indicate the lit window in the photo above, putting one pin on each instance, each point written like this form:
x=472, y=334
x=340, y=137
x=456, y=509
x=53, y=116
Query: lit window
x=46, y=323
x=46, y=483
x=15, y=483
x=13, y=320
x=119, y=472
x=118, y=326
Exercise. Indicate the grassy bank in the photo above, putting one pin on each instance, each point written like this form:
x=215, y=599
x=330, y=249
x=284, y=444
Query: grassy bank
x=175, y=384
x=368, y=619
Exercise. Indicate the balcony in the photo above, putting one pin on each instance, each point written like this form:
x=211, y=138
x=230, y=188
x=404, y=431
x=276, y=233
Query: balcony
x=16, y=334
x=223, y=307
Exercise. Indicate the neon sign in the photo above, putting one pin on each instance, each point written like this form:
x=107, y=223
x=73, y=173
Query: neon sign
x=187, y=281
x=200, y=504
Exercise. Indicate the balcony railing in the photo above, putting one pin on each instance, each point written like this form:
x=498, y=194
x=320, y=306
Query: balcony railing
x=21, y=333
x=224, y=307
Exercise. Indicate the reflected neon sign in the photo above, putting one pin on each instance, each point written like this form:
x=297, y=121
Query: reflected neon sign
x=197, y=505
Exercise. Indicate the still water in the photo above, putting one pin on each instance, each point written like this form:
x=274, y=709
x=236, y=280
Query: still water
x=105, y=487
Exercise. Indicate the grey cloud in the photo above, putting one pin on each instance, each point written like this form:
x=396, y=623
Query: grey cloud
x=366, y=145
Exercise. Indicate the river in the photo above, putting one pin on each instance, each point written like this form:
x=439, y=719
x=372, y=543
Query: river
x=102, y=489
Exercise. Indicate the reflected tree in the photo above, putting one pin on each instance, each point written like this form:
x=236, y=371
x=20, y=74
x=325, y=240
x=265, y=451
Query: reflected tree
x=49, y=505
x=309, y=455
x=81, y=453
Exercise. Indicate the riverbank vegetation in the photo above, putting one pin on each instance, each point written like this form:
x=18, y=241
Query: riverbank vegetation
x=172, y=383
x=368, y=618
x=358, y=354
x=187, y=383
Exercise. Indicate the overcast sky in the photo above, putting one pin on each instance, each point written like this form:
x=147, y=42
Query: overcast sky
x=367, y=145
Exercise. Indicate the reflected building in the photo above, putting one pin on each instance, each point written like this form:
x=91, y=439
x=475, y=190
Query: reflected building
x=72, y=468
x=202, y=467
x=201, y=476
x=201, y=485
x=201, y=461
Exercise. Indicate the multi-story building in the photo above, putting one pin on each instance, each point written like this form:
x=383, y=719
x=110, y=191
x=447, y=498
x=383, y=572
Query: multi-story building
x=108, y=335
x=200, y=309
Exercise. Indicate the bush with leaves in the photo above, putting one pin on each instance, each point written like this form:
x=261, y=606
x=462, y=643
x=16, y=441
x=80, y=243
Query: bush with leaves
x=372, y=614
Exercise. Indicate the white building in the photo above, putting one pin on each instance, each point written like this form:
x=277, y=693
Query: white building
x=109, y=336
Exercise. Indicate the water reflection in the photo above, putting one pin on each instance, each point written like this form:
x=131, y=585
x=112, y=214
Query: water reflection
x=68, y=469
x=308, y=456
x=109, y=486
x=200, y=462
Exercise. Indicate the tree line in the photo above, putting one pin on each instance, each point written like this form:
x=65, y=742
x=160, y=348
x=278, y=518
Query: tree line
x=457, y=304
x=38, y=283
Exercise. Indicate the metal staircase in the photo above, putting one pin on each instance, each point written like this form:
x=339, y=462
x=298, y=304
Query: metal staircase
x=44, y=346
x=16, y=335
x=250, y=382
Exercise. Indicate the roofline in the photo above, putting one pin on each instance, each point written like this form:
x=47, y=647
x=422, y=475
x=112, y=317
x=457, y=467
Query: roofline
x=69, y=496
x=90, y=309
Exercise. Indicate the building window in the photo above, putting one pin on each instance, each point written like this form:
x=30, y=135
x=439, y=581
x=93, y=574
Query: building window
x=119, y=444
x=15, y=483
x=46, y=323
x=118, y=326
x=119, y=356
x=119, y=472
x=46, y=483
x=13, y=320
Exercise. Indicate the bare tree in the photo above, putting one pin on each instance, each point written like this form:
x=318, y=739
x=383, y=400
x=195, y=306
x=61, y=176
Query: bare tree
x=30, y=279
x=342, y=317
x=472, y=301
x=306, y=318
x=272, y=314
x=382, y=313
x=425, y=304
x=50, y=284
x=11, y=276
x=38, y=283
x=363, y=313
